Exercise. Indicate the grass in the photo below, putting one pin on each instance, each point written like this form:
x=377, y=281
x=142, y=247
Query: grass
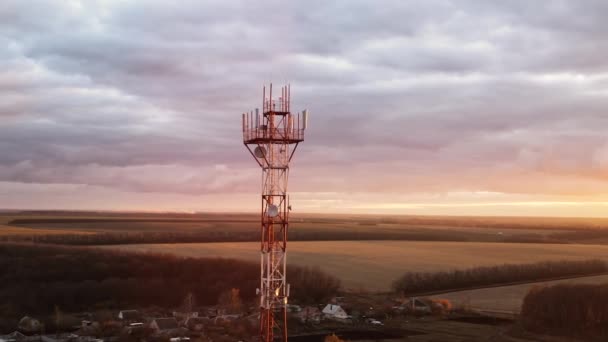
x=374, y=265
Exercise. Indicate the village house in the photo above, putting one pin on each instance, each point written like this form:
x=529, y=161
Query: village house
x=293, y=308
x=196, y=323
x=68, y=338
x=180, y=339
x=16, y=336
x=88, y=327
x=130, y=316
x=226, y=318
x=420, y=305
x=183, y=316
x=309, y=314
x=165, y=325
x=135, y=328
x=334, y=311
x=12, y=337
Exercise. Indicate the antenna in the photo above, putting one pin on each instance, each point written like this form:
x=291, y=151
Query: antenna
x=272, y=139
x=305, y=119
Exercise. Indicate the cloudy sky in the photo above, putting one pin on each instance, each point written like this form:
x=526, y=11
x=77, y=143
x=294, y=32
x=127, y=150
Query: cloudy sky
x=428, y=107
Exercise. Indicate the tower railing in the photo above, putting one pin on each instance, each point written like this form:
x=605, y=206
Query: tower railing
x=277, y=134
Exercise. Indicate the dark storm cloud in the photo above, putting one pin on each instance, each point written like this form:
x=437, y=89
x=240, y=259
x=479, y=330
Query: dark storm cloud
x=101, y=93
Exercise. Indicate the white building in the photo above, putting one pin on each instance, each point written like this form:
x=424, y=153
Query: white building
x=334, y=311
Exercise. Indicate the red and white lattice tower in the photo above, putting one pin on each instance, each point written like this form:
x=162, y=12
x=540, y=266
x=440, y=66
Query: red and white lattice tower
x=272, y=138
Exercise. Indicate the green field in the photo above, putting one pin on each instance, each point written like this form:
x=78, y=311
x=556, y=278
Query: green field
x=373, y=265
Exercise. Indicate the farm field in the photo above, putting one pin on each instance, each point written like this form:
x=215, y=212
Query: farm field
x=126, y=228
x=6, y=228
x=109, y=221
x=507, y=298
x=105, y=225
x=373, y=265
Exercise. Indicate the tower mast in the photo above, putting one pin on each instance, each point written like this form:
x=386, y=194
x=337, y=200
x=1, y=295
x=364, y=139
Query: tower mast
x=272, y=138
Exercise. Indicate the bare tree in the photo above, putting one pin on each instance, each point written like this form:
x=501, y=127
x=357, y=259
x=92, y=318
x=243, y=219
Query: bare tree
x=189, y=303
x=231, y=300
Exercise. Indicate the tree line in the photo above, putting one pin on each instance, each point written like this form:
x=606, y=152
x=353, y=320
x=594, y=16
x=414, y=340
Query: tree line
x=98, y=239
x=36, y=278
x=416, y=282
x=252, y=235
x=575, y=310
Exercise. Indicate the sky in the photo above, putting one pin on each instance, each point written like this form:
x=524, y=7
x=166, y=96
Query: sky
x=416, y=107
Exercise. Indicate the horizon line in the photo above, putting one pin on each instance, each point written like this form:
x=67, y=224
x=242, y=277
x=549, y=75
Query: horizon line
x=202, y=212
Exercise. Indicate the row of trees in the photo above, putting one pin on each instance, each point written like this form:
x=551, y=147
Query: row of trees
x=416, y=282
x=35, y=278
x=249, y=235
x=239, y=235
x=577, y=310
x=592, y=235
x=46, y=217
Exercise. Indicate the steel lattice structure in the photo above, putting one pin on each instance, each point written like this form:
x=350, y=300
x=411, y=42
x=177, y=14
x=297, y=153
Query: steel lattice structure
x=272, y=139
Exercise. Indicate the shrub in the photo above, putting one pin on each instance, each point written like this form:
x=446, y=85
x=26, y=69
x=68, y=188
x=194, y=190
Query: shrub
x=333, y=338
x=442, y=306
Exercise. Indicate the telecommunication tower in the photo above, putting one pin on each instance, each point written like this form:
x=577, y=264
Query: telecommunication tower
x=272, y=138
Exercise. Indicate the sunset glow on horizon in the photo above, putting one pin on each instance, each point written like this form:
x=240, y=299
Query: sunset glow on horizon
x=434, y=108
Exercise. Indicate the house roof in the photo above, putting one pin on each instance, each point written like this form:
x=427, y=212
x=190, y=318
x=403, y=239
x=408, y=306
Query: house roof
x=309, y=312
x=311, y=309
x=196, y=320
x=130, y=314
x=422, y=301
x=15, y=336
x=332, y=309
x=166, y=323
